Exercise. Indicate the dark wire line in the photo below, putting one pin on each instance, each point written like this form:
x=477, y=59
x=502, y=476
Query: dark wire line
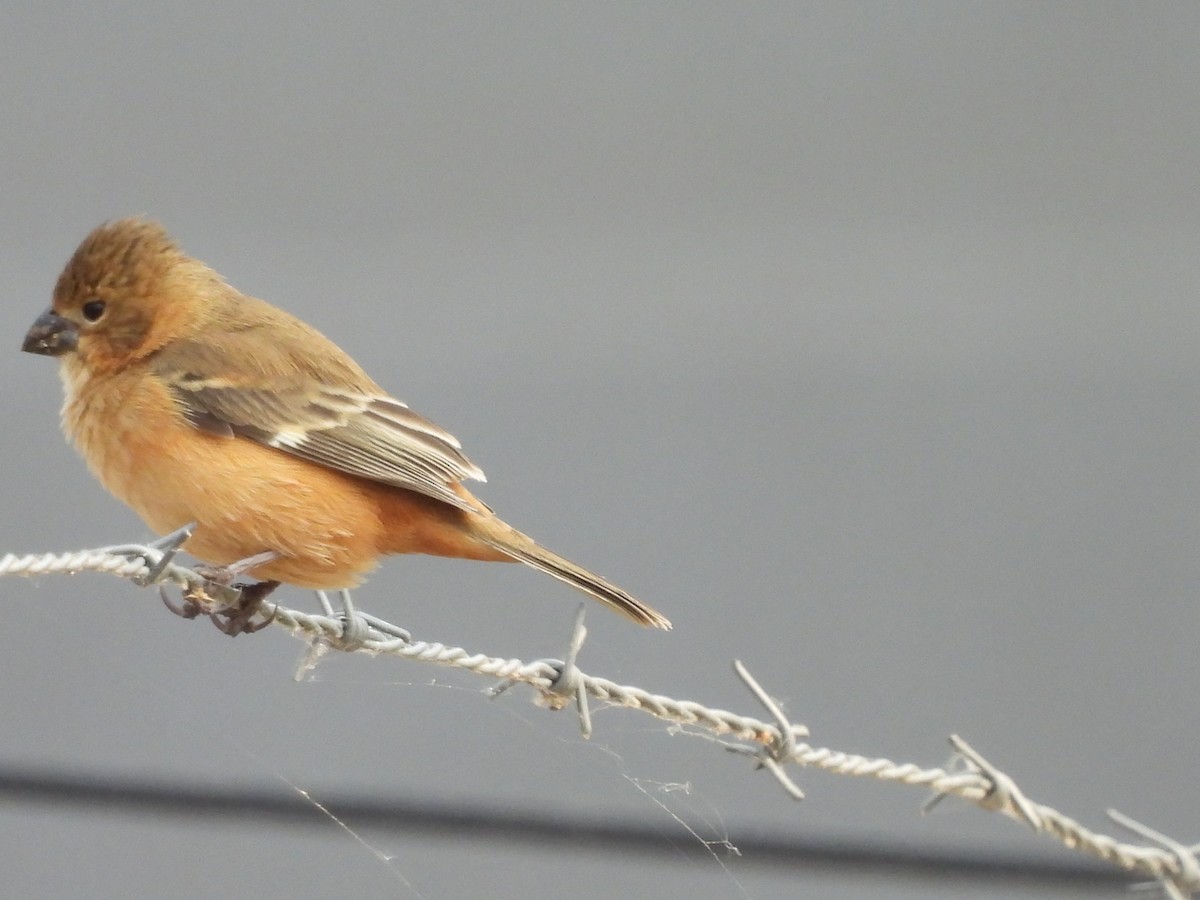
x=495, y=824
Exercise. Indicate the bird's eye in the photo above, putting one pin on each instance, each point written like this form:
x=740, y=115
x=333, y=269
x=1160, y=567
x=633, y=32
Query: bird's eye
x=93, y=310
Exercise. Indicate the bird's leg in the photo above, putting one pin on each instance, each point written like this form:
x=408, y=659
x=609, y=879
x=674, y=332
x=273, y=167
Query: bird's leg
x=237, y=618
x=224, y=575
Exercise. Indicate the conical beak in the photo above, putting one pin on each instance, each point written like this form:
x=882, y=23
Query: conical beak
x=51, y=335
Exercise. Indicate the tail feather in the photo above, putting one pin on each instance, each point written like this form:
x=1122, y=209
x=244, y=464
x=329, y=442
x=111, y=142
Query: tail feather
x=525, y=549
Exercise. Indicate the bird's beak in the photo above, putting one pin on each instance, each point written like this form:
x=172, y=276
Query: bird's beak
x=51, y=335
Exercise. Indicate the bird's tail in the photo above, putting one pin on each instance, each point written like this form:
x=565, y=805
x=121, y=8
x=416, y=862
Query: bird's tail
x=512, y=543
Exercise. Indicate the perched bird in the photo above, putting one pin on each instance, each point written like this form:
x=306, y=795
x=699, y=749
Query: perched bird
x=194, y=403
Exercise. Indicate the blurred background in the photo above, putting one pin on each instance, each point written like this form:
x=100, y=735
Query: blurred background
x=859, y=338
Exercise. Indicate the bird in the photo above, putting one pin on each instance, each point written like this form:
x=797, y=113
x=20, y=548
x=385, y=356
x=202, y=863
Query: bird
x=196, y=404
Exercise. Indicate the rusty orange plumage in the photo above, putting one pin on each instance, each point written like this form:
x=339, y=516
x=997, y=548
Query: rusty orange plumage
x=192, y=402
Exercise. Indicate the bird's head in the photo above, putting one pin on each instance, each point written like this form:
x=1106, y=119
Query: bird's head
x=113, y=302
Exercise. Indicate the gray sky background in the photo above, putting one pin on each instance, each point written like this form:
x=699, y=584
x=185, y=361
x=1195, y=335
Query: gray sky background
x=859, y=338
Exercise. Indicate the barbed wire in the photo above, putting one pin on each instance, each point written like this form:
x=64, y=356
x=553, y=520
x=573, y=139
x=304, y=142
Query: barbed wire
x=774, y=745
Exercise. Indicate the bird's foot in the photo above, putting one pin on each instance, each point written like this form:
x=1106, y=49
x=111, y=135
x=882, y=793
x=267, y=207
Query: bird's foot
x=235, y=605
x=233, y=618
x=239, y=619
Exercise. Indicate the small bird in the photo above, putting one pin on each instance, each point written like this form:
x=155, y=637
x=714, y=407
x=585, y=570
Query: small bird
x=194, y=403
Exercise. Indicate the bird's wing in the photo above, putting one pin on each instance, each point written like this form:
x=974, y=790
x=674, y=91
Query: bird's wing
x=257, y=384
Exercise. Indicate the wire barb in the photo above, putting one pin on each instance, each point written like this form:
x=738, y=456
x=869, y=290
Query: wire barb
x=168, y=546
x=1002, y=795
x=969, y=777
x=782, y=749
x=1184, y=881
x=570, y=684
x=354, y=627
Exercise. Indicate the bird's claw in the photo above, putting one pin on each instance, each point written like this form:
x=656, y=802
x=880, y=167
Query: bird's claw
x=188, y=609
x=239, y=619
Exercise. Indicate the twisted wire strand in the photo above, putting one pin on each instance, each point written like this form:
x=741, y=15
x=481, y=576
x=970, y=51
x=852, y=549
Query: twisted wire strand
x=970, y=777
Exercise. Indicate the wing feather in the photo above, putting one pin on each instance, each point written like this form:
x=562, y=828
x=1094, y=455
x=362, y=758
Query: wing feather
x=352, y=427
